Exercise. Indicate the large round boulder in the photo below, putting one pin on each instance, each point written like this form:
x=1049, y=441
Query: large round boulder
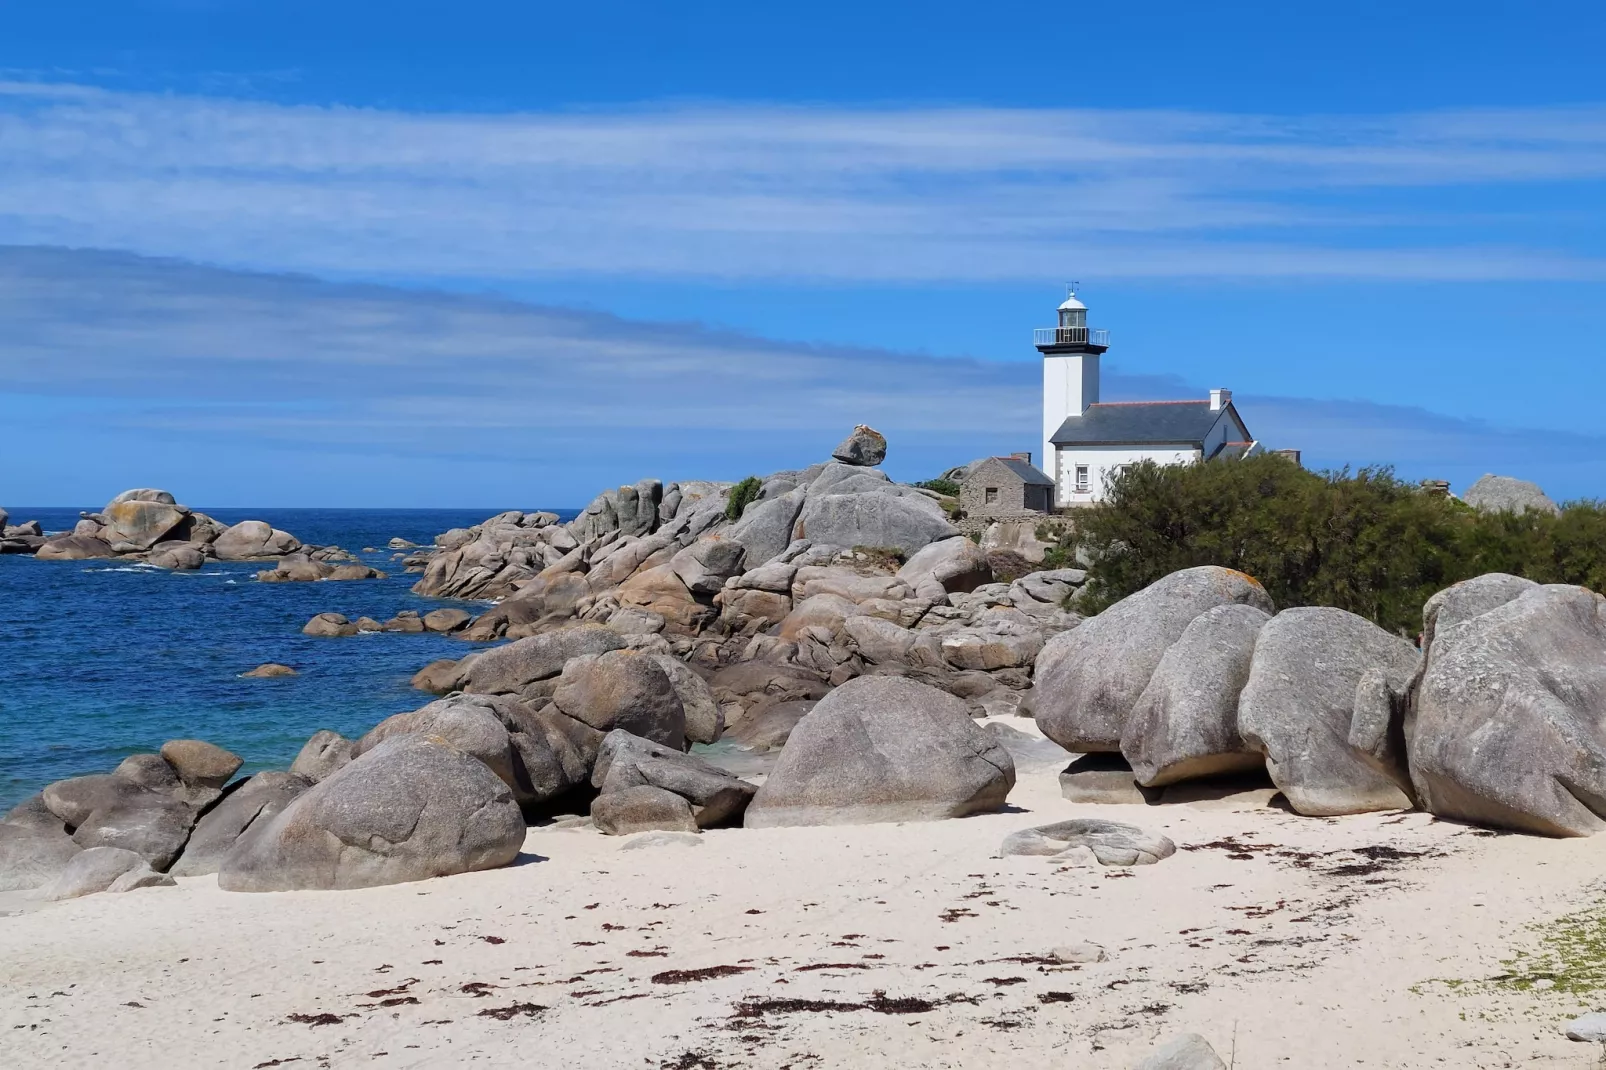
x=252, y=539
x=1185, y=723
x=1089, y=679
x=882, y=748
x=135, y=524
x=1504, y=494
x=1508, y=723
x=625, y=689
x=1299, y=707
x=409, y=809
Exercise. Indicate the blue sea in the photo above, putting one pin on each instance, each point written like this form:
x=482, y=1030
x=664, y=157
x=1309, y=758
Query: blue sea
x=100, y=660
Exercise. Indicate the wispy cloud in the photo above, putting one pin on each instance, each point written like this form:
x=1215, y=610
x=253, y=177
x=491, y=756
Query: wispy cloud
x=234, y=386
x=800, y=193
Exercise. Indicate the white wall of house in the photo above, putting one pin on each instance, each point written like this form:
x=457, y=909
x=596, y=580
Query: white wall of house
x=1070, y=385
x=1102, y=461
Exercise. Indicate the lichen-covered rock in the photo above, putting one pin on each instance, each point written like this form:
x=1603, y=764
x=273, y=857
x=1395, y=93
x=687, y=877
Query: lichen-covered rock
x=1088, y=680
x=1299, y=706
x=884, y=749
x=409, y=809
x=200, y=764
x=1507, y=727
x=1185, y=723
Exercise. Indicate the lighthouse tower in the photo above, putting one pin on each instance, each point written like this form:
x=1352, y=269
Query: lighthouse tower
x=1070, y=372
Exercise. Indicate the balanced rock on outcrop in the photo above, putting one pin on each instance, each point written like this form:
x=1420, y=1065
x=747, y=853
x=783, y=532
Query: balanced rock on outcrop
x=409, y=809
x=864, y=446
x=1185, y=723
x=1507, y=727
x=884, y=749
x=1299, y=707
x=1088, y=680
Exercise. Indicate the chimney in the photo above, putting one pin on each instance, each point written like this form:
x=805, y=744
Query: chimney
x=1027, y=456
x=1219, y=399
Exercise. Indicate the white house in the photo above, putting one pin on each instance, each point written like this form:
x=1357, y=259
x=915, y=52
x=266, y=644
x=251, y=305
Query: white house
x=1085, y=440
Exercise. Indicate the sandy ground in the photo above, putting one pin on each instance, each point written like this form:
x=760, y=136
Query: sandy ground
x=1267, y=932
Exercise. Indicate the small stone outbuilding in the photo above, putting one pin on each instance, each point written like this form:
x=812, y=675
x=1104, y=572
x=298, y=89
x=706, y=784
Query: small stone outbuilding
x=1005, y=487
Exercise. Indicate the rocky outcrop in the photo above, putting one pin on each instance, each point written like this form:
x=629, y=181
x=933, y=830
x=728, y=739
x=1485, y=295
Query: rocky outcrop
x=623, y=689
x=862, y=518
x=409, y=809
x=1507, y=726
x=1299, y=706
x=1503, y=494
x=301, y=568
x=884, y=749
x=1089, y=680
x=864, y=446
x=150, y=526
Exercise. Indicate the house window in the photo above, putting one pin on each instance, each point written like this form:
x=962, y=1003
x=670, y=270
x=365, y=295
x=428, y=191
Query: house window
x=1081, y=479
x=992, y=495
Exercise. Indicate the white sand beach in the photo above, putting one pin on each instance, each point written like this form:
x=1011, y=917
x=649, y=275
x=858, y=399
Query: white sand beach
x=1287, y=941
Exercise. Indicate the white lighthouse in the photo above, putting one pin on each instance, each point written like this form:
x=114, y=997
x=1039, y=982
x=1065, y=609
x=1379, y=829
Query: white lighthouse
x=1070, y=372
x=1087, y=441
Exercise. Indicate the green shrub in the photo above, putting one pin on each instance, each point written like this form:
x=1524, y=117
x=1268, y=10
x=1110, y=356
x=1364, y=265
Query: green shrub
x=947, y=487
x=1361, y=541
x=741, y=496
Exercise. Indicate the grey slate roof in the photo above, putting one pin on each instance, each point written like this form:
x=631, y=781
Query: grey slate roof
x=1140, y=422
x=1030, y=474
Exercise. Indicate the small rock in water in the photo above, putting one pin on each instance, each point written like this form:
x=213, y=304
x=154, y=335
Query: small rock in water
x=662, y=839
x=268, y=669
x=329, y=625
x=1588, y=1027
x=1078, y=952
x=1190, y=1051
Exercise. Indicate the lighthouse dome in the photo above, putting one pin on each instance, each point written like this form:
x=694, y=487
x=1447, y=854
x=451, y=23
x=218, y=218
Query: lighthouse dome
x=1072, y=304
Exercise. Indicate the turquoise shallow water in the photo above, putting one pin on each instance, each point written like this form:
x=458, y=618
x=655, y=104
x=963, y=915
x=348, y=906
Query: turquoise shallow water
x=100, y=660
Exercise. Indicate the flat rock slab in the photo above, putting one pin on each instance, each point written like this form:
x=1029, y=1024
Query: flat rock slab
x=1190, y=1051
x=1590, y=1028
x=1104, y=779
x=1111, y=843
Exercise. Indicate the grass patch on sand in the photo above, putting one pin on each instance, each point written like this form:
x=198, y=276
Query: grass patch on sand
x=1567, y=959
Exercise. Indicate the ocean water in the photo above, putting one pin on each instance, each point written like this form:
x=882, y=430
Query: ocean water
x=100, y=660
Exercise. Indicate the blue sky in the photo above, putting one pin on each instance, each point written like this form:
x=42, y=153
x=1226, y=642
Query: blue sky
x=505, y=254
